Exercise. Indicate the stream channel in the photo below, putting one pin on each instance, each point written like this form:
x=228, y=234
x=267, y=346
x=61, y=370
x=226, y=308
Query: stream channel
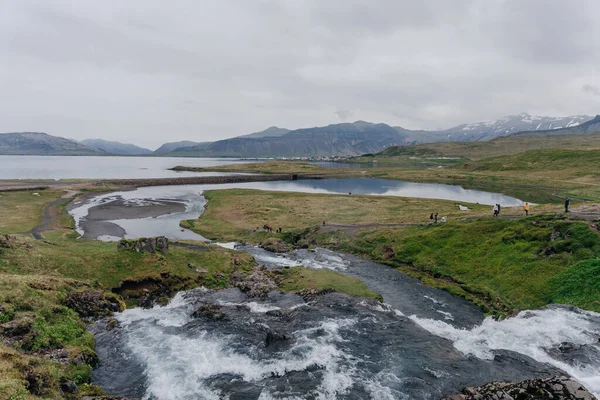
x=420, y=343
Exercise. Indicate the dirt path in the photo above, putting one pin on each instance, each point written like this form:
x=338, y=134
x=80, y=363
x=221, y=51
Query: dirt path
x=51, y=212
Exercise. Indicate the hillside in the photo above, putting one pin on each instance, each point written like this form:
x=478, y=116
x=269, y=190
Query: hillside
x=478, y=150
x=587, y=128
x=363, y=137
x=273, y=131
x=341, y=139
x=511, y=124
x=172, y=146
x=567, y=160
x=37, y=143
x=116, y=147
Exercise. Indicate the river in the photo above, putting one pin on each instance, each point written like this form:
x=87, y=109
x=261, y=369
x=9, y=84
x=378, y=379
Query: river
x=421, y=343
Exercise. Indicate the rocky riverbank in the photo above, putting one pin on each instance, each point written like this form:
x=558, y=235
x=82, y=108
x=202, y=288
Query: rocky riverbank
x=556, y=388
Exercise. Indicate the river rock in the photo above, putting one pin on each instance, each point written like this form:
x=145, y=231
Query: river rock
x=145, y=245
x=93, y=303
x=557, y=388
x=275, y=337
x=275, y=246
x=211, y=311
x=257, y=284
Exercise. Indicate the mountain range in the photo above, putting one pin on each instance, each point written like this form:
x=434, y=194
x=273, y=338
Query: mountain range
x=117, y=147
x=349, y=139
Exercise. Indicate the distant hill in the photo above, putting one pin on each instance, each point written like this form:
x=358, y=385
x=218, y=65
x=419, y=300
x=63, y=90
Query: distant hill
x=272, y=131
x=172, y=146
x=586, y=128
x=503, y=146
x=116, y=147
x=364, y=137
x=482, y=131
x=341, y=139
x=37, y=143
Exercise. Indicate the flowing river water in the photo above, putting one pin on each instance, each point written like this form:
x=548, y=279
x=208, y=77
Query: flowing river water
x=420, y=343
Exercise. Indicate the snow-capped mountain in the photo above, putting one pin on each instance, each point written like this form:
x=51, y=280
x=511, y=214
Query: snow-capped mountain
x=509, y=125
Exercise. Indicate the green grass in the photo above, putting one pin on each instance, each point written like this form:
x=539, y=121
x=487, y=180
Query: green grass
x=21, y=211
x=102, y=262
x=235, y=214
x=580, y=162
x=515, y=262
x=299, y=278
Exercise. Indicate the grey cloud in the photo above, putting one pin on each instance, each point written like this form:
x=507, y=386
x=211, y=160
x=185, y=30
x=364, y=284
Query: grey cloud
x=144, y=70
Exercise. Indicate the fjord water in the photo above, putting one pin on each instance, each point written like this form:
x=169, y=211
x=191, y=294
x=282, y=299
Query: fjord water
x=191, y=195
x=421, y=343
x=105, y=167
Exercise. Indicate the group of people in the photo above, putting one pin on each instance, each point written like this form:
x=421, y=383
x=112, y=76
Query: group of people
x=433, y=218
x=269, y=228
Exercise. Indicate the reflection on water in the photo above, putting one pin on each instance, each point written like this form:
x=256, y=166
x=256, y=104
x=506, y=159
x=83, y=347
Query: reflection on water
x=86, y=167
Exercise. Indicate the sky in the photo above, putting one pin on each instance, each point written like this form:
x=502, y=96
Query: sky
x=154, y=71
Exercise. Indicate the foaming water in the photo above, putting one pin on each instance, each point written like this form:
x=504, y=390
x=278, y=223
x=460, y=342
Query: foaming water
x=335, y=346
x=537, y=334
x=332, y=347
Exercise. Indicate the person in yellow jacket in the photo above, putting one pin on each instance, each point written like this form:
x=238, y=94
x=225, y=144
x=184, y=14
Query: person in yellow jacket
x=526, y=208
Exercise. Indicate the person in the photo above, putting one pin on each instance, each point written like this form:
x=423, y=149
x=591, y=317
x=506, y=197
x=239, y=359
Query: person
x=443, y=219
x=567, y=202
x=526, y=208
x=431, y=218
x=435, y=218
x=323, y=222
x=495, y=210
x=498, y=208
x=279, y=230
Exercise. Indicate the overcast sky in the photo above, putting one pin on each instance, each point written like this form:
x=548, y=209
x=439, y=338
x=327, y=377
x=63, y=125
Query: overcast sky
x=152, y=71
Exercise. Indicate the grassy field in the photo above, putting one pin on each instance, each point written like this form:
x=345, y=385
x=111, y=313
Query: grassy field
x=501, y=264
x=22, y=211
x=233, y=214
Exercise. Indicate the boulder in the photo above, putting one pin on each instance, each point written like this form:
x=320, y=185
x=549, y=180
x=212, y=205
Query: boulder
x=145, y=245
x=210, y=311
x=557, y=388
x=275, y=246
x=275, y=338
x=93, y=303
x=257, y=284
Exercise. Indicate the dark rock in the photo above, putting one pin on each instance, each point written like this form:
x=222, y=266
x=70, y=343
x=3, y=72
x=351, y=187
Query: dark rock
x=275, y=337
x=211, y=311
x=145, y=245
x=557, y=388
x=68, y=386
x=275, y=246
x=17, y=327
x=93, y=303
